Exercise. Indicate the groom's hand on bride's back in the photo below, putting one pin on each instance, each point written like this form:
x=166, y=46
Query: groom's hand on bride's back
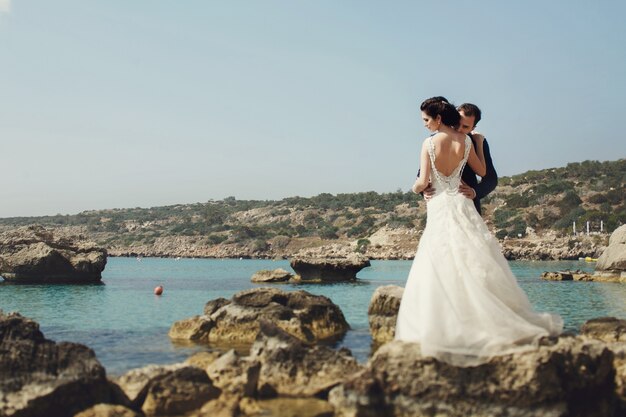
x=428, y=192
x=467, y=191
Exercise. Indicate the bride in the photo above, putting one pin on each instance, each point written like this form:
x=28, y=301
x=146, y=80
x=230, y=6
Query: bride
x=461, y=302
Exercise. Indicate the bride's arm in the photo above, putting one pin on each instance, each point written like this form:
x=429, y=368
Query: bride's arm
x=476, y=159
x=424, y=176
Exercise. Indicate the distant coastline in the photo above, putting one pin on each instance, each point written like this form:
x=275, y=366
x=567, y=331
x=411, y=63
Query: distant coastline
x=388, y=244
x=534, y=215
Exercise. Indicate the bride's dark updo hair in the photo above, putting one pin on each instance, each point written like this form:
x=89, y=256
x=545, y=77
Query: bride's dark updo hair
x=439, y=106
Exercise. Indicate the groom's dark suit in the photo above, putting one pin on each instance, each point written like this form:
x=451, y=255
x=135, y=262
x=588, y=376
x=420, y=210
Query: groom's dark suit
x=488, y=182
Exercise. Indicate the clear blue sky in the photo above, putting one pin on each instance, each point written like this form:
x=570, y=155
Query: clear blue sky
x=117, y=103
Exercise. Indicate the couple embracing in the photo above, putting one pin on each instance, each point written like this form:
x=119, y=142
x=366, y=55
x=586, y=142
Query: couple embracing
x=461, y=302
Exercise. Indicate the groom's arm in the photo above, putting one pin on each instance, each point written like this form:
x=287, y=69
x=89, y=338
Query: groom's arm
x=489, y=182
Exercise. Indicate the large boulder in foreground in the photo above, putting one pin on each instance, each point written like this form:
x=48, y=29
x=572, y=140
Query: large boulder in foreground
x=236, y=321
x=108, y=410
x=569, y=376
x=612, y=331
x=228, y=406
x=168, y=389
x=34, y=254
x=183, y=390
x=289, y=367
x=612, y=262
x=39, y=377
x=280, y=364
x=383, y=312
x=329, y=269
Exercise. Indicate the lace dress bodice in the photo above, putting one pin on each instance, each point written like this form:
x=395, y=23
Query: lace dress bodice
x=447, y=183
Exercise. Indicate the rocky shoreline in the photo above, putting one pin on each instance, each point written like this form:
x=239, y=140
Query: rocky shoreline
x=282, y=372
x=386, y=244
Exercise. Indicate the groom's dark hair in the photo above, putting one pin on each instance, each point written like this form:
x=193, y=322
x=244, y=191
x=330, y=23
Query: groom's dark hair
x=470, y=110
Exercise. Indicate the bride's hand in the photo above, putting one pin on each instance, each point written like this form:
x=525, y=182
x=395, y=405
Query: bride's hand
x=478, y=138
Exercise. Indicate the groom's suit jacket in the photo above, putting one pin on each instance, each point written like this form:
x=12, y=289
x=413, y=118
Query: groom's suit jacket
x=488, y=182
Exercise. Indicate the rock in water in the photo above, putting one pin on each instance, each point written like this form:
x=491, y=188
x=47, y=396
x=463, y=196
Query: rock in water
x=383, y=312
x=557, y=276
x=570, y=376
x=306, y=316
x=39, y=377
x=33, y=254
x=607, y=329
x=276, y=275
x=612, y=262
x=329, y=269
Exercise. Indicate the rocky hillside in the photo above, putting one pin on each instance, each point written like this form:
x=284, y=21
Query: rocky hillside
x=532, y=213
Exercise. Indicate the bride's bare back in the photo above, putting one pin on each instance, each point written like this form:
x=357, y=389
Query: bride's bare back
x=449, y=152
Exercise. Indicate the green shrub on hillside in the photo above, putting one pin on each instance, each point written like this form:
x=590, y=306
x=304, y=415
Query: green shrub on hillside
x=258, y=245
x=501, y=234
x=328, y=232
x=559, y=186
x=362, y=245
x=241, y=233
x=518, y=227
x=616, y=196
x=569, y=202
x=363, y=228
x=396, y=222
x=502, y=217
x=598, y=198
x=520, y=201
x=214, y=214
x=574, y=215
x=215, y=239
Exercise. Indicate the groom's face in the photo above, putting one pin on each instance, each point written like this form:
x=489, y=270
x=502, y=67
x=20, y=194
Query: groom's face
x=467, y=123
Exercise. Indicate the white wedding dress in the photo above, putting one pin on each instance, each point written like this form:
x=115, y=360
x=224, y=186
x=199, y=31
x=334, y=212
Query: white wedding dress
x=461, y=302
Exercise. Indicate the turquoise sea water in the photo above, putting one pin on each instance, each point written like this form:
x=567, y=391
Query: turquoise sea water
x=127, y=325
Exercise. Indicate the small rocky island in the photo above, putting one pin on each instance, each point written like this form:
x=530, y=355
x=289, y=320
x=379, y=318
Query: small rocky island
x=34, y=254
x=324, y=269
x=315, y=269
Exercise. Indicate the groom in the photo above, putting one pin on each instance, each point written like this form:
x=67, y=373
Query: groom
x=471, y=188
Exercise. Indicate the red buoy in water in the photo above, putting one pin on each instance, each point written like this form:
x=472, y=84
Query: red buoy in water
x=158, y=290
